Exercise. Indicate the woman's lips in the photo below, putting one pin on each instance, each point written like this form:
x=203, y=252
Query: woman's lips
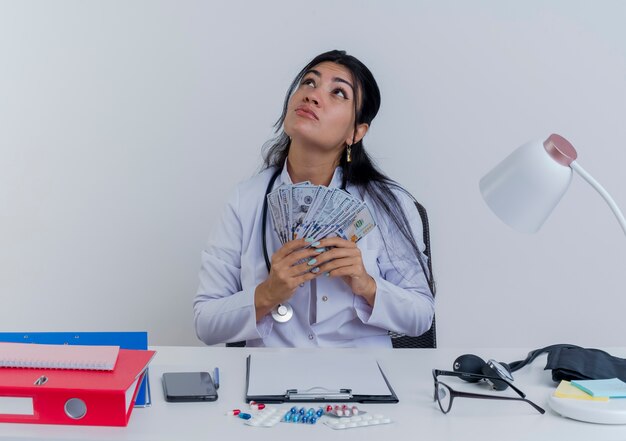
x=306, y=112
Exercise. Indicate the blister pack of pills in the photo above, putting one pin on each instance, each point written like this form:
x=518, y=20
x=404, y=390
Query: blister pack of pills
x=268, y=417
x=343, y=411
x=357, y=421
x=303, y=416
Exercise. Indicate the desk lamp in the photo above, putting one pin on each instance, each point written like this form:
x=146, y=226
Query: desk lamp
x=524, y=188
x=522, y=191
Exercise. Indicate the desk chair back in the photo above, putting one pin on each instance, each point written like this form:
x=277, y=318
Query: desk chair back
x=429, y=338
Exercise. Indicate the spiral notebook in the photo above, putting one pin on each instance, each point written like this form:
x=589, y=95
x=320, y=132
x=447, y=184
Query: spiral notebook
x=29, y=355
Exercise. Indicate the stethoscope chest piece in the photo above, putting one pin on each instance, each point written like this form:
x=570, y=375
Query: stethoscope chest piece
x=282, y=313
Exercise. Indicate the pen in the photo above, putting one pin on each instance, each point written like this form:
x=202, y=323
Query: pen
x=216, y=377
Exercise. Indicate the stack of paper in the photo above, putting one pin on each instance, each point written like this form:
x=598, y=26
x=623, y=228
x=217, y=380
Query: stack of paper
x=314, y=211
x=30, y=355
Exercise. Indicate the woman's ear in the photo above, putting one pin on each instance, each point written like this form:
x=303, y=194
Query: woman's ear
x=361, y=130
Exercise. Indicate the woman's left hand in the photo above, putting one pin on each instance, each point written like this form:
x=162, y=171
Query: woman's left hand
x=344, y=260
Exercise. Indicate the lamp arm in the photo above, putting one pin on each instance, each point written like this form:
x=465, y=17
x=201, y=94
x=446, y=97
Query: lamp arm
x=605, y=194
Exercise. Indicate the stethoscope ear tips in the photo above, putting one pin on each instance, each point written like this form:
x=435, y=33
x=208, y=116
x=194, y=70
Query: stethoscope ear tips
x=282, y=313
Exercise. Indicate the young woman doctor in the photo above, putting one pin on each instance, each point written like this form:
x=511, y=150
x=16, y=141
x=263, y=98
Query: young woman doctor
x=344, y=294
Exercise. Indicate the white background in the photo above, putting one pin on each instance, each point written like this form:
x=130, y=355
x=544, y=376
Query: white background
x=125, y=124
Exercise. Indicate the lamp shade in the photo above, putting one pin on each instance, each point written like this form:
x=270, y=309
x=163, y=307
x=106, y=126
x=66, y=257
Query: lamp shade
x=524, y=188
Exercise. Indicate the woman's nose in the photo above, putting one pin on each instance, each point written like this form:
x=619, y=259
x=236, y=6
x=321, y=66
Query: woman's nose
x=312, y=97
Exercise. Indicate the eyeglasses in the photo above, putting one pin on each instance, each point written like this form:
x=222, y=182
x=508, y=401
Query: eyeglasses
x=444, y=394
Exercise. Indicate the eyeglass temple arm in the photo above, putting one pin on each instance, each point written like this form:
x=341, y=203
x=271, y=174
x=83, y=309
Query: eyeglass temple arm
x=495, y=397
x=478, y=376
x=600, y=189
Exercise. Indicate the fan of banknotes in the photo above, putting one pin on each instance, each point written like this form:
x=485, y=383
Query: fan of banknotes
x=314, y=211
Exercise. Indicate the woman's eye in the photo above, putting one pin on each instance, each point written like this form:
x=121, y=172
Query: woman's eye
x=309, y=82
x=341, y=93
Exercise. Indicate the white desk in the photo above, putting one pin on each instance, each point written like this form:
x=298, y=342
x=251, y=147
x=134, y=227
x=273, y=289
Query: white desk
x=415, y=417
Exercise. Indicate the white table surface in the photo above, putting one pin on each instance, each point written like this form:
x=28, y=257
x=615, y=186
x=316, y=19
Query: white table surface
x=408, y=371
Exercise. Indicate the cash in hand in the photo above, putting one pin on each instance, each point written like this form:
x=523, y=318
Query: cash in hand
x=316, y=212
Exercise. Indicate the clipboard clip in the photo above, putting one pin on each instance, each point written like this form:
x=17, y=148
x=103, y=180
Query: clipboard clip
x=318, y=394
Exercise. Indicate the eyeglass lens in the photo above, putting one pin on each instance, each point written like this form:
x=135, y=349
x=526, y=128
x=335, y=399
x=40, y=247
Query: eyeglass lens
x=443, y=396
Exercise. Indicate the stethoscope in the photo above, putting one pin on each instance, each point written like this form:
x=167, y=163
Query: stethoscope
x=283, y=312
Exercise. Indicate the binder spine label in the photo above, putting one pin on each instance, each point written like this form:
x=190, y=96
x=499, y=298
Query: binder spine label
x=16, y=406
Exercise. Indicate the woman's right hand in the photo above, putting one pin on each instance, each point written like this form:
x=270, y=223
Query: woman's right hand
x=285, y=276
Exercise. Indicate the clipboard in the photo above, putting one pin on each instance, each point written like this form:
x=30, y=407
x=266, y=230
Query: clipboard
x=312, y=378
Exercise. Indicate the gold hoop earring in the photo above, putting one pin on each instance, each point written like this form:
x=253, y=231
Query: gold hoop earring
x=349, y=153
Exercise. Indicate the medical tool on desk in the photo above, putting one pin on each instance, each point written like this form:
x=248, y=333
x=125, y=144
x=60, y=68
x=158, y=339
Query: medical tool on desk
x=492, y=369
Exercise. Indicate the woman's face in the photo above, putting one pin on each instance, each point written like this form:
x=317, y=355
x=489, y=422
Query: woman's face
x=321, y=110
